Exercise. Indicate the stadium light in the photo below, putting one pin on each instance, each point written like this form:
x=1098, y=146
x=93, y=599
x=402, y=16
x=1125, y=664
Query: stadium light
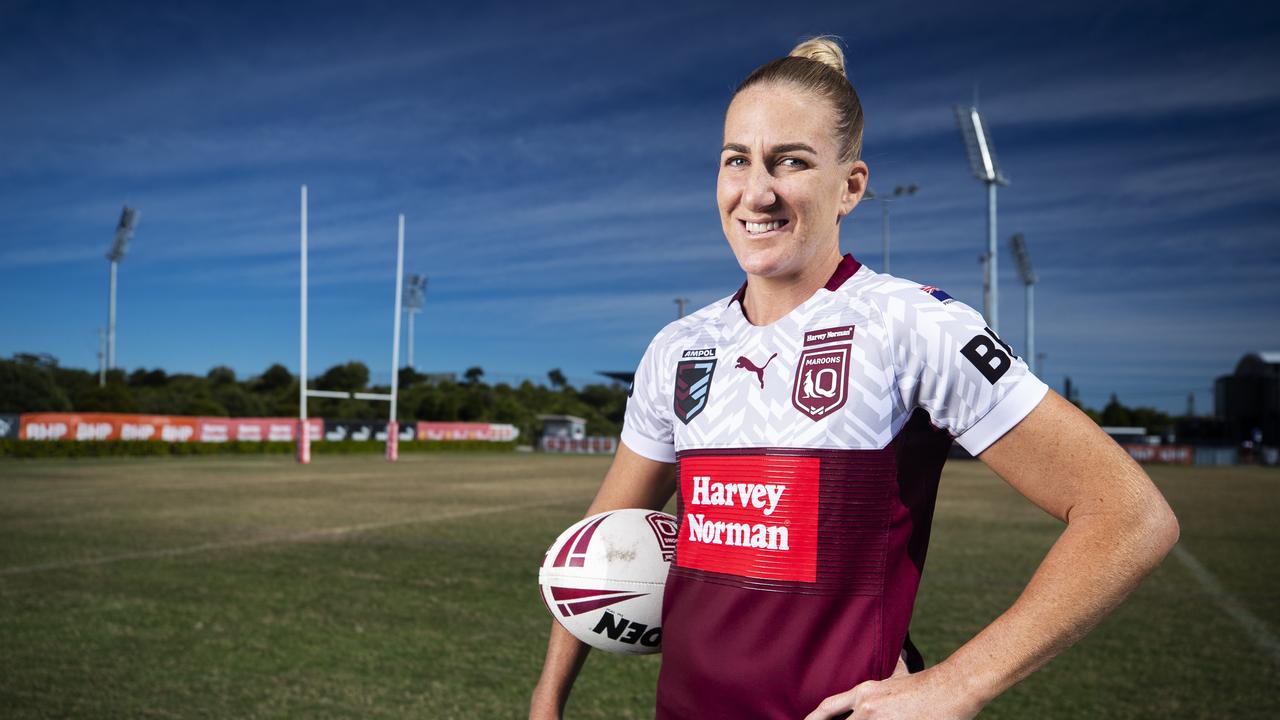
x=899, y=193
x=985, y=167
x=680, y=303
x=124, y=231
x=1028, y=276
x=415, y=295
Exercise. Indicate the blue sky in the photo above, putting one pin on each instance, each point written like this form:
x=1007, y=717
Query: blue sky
x=556, y=164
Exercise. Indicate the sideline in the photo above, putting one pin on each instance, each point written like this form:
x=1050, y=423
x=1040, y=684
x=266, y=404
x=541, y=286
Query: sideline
x=304, y=536
x=1253, y=626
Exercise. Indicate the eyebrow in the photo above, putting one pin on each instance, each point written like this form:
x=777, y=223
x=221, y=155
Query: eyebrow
x=775, y=150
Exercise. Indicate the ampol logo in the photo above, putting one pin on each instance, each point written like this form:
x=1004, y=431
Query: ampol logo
x=693, y=383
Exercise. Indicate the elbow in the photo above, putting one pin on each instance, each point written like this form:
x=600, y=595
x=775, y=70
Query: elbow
x=1159, y=528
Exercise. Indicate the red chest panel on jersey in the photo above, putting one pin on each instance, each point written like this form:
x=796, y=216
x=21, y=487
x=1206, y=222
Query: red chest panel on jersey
x=750, y=515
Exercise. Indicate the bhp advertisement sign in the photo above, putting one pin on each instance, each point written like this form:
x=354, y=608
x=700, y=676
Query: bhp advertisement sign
x=750, y=515
x=107, y=426
x=167, y=428
x=162, y=428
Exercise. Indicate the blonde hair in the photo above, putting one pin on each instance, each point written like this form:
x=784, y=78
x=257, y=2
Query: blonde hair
x=817, y=66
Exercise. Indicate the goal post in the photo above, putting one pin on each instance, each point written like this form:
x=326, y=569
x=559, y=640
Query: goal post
x=393, y=428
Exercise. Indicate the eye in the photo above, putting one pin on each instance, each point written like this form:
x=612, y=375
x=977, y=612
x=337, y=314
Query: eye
x=735, y=161
x=793, y=162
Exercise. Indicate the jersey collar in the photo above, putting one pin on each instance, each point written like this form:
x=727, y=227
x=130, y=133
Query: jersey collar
x=845, y=270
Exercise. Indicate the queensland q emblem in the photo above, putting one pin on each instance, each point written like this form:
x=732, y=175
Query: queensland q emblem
x=693, y=385
x=821, y=381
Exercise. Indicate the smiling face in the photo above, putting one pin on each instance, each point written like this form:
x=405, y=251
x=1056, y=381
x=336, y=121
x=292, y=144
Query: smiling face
x=782, y=187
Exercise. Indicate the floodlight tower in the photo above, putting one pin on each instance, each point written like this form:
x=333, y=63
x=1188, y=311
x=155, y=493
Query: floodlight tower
x=124, y=231
x=899, y=193
x=415, y=294
x=982, y=161
x=1029, y=280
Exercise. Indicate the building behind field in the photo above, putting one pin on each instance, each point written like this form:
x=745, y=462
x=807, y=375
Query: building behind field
x=1248, y=400
x=563, y=426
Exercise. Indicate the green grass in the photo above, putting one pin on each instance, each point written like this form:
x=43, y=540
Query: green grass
x=250, y=587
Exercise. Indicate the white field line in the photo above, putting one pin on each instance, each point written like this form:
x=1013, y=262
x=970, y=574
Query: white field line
x=298, y=537
x=1253, y=626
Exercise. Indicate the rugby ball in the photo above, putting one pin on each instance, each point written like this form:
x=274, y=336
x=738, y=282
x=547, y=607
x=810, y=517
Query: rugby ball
x=603, y=578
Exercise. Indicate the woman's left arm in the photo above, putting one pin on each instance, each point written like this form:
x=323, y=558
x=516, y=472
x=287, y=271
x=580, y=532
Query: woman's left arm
x=1118, y=529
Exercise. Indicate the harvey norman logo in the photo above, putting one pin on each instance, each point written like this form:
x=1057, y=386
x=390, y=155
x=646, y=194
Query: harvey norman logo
x=761, y=496
x=753, y=516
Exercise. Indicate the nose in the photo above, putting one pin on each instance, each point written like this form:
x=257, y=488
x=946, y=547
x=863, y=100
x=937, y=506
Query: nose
x=758, y=193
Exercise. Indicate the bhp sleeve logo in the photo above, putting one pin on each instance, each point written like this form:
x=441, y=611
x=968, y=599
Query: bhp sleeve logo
x=750, y=515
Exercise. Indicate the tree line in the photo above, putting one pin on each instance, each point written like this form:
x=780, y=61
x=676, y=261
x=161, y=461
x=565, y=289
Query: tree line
x=37, y=383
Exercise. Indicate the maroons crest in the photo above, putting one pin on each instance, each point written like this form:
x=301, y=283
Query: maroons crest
x=822, y=375
x=693, y=387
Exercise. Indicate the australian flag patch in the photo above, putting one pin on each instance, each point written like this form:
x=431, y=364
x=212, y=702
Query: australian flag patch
x=938, y=294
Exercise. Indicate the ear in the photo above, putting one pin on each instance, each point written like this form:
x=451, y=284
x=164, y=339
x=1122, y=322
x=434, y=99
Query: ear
x=854, y=187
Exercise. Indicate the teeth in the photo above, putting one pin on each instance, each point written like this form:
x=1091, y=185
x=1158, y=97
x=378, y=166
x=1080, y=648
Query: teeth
x=757, y=228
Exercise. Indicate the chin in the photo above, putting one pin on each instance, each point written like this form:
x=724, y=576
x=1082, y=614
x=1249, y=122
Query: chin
x=764, y=262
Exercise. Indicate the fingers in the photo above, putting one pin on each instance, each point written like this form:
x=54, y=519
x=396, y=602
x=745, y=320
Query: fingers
x=837, y=706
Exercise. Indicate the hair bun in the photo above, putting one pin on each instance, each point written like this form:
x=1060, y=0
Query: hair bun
x=824, y=49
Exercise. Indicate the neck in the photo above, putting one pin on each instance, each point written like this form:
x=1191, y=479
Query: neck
x=769, y=299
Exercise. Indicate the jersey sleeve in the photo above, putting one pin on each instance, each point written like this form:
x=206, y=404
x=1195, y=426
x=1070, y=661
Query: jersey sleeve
x=951, y=364
x=647, y=427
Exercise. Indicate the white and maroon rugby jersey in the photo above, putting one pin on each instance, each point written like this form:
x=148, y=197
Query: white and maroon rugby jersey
x=809, y=452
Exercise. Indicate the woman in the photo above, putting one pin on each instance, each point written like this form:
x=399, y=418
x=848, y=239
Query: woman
x=804, y=422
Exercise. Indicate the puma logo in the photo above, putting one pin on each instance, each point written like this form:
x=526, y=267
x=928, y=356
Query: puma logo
x=746, y=364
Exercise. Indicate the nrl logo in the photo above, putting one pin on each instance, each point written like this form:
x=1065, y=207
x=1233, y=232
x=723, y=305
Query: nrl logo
x=822, y=375
x=693, y=383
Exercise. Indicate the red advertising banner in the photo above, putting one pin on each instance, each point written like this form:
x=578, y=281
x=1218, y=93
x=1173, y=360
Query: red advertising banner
x=107, y=426
x=496, y=432
x=1172, y=454
x=167, y=428
x=217, y=429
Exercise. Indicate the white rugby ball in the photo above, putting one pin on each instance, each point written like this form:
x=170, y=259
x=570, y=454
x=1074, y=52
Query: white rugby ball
x=603, y=578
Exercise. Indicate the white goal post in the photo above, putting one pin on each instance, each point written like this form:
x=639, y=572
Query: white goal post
x=393, y=428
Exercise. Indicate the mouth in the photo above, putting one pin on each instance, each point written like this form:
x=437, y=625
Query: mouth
x=755, y=229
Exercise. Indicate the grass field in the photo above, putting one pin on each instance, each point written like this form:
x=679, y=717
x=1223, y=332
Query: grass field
x=233, y=587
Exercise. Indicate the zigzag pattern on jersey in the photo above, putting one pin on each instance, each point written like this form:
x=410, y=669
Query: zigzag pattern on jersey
x=741, y=414
x=905, y=354
x=930, y=334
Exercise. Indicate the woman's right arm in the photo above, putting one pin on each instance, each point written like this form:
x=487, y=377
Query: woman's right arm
x=633, y=481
